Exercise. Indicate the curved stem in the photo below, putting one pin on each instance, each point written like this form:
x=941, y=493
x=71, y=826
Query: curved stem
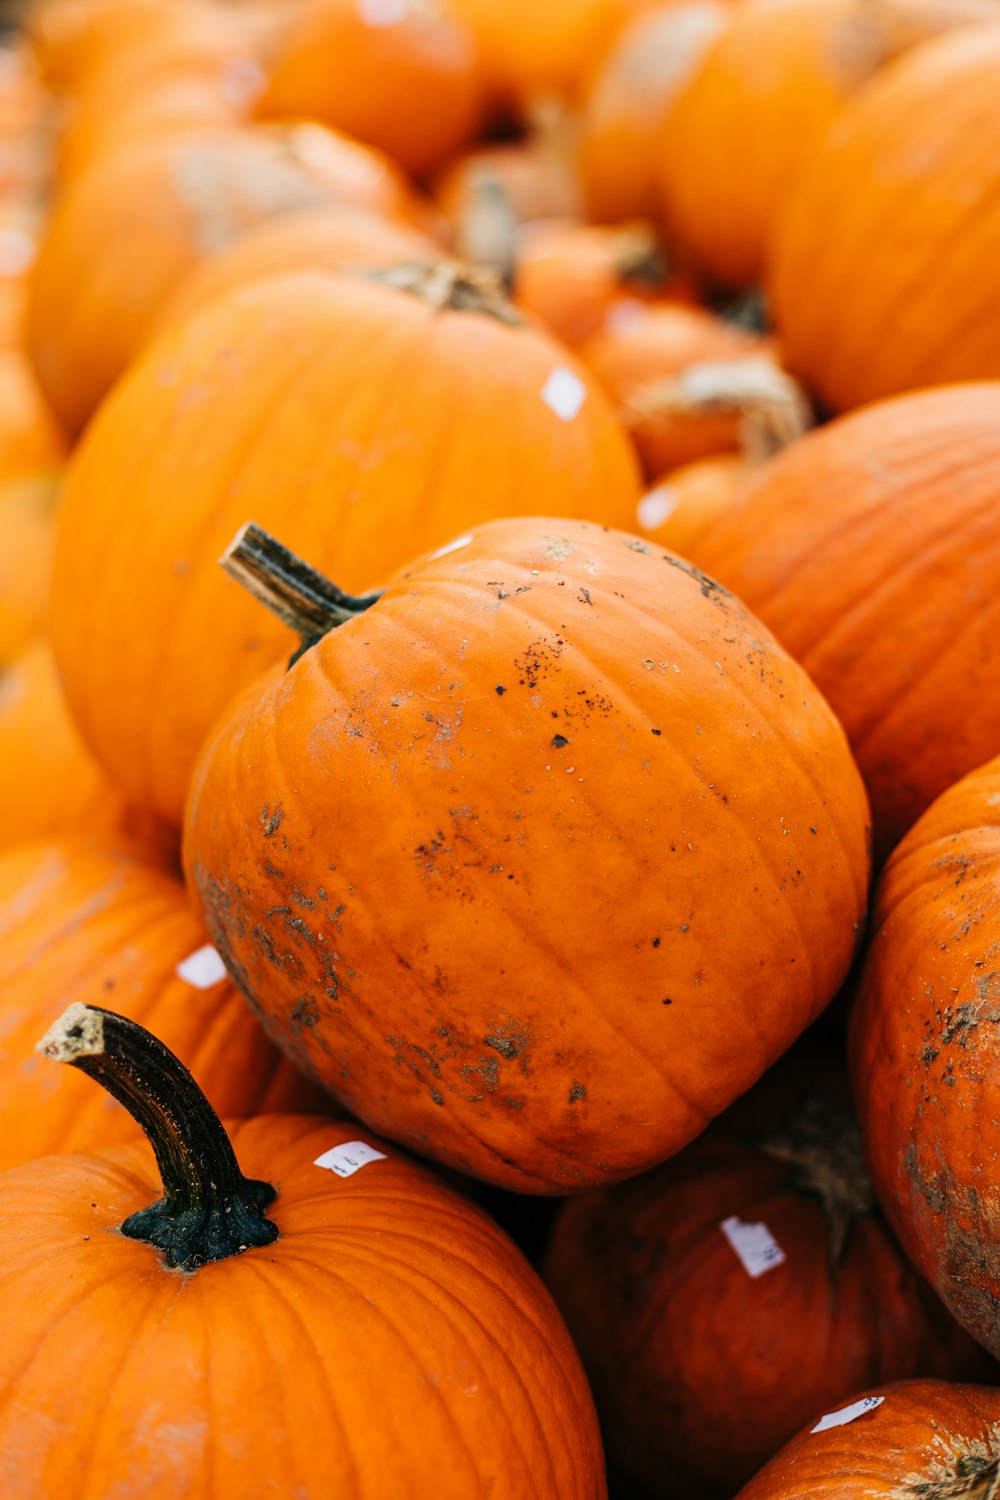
x=299, y=595
x=209, y=1210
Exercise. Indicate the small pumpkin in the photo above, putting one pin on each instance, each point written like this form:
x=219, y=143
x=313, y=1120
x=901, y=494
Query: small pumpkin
x=81, y=917
x=758, y=1252
x=921, y=1438
x=572, y=759
x=871, y=549
x=686, y=382
x=400, y=76
x=910, y=177
x=318, y=438
x=415, y=1351
x=925, y=1050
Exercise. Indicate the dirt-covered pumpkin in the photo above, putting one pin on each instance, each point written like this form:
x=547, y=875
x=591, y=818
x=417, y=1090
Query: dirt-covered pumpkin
x=124, y=234
x=335, y=1323
x=872, y=550
x=494, y=855
x=925, y=1047
x=918, y=1440
x=885, y=275
x=757, y=1252
x=365, y=420
x=83, y=917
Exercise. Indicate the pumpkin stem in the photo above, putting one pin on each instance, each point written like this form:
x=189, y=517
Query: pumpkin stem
x=209, y=1210
x=486, y=234
x=773, y=406
x=639, y=256
x=449, y=286
x=822, y=1146
x=299, y=595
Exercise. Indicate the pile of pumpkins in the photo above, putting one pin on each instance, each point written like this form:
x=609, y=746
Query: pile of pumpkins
x=500, y=749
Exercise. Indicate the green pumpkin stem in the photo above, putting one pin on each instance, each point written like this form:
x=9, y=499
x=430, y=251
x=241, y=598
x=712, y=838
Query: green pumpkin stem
x=209, y=1210
x=299, y=595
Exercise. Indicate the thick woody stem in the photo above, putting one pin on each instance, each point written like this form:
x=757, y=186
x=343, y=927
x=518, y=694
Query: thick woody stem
x=773, y=408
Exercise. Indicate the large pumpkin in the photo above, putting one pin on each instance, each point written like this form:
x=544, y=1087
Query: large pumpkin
x=337, y=1324
x=871, y=548
x=760, y=1253
x=297, y=402
x=81, y=918
x=492, y=858
x=918, y=1440
x=884, y=274
x=756, y=111
x=124, y=234
x=926, y=1048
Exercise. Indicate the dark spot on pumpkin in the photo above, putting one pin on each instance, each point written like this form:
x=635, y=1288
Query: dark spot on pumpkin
x=270, y=820
x=668, y=1002
x=304, y=1012
x=576, y=1092
x=656, y=942
x=558, y=741
x=436, y=1097
x=656, y=731
x=500, y=690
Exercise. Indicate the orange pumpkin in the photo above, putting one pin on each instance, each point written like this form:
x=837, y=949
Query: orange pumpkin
x=683, y=506
x=574, y=277
x=402, y=76
x=884, y=273
x=49, y=783
x=760, y=1254
x=534, y=51
x=685, y=383
x=80, y=918
x=27, y=525
x=925, y=1048
x=415, y=1351
x=124, y=234
x=921, y=1438
x=317, y=440
x=571, y=759
x=651, y=59
x=871, y=549
x=324, y=238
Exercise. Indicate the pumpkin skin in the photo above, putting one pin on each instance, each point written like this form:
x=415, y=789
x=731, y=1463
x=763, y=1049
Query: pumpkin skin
x=403, y=77
x=756, y=111
x=924, y=1051
x=658, y=1302
x=27, y=525
x=416, y=1351
x=623, y=114
x=50, y=784
x=909, y=174
x=678, y=511
x=331, y=457
x=156, y=209
x=927, y=1439
x=315, y=239
x=496, y=765
x=871, y=549
x=83, y=918
x=648, y=345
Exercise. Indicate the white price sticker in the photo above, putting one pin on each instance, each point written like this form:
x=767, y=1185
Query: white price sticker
x=564, y=393
x=202, y=968
x=847, y=1414
x=349, y=1158
x=755, y=1245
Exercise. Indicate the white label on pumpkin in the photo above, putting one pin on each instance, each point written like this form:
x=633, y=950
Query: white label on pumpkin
x=847, y=1414
x=564, y=393
x=656, y=506
x=349, y=1158
x=202, y=968
x=755, y=1245
x=383, y=12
